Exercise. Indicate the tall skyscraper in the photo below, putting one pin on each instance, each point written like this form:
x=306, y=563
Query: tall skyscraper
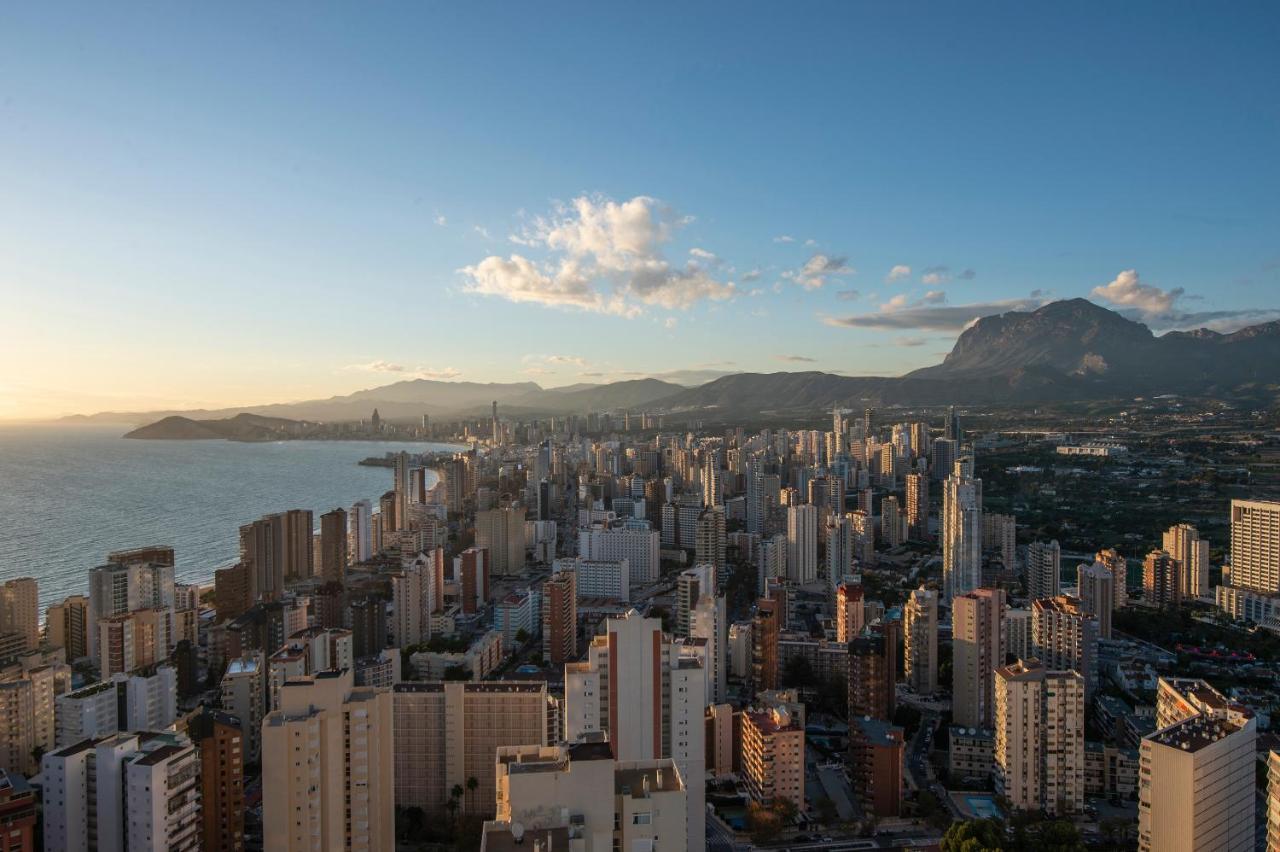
x=1162, y=580
x=1191, y=552
x=560, y=617
x=918, y=506
x=892, y=522
x=691, y=585
x=977, y=651
x=961, y=532
x=765, y=628
x=1064, y=635
x=920, y=645
x=1044, y=569
x=218, y=737
x=873, y=671
x=649, y=697
x=67, y=626
x=1255, y=546
x=1119, y=568
x=333, y=546
x=709, y=622
x=502, y=532
x=328, y=767
x=20, y=610
x=416, y=592
x=711, y=538
x=802, y=543
x=402, y=491
x=277, y=549
x=1039, y=738
x=1196, y=785
x=1097, y=594
x=840, y=549
x=360, y=530
x=850, y=615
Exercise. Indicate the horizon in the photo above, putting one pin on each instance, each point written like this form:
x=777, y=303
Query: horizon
x=367, y=198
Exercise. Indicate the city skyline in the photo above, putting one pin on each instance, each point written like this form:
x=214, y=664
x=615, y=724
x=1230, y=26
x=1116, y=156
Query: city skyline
x=357, y=199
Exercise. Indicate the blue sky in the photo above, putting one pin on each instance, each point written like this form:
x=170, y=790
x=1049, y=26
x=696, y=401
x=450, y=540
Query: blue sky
x=238, y=204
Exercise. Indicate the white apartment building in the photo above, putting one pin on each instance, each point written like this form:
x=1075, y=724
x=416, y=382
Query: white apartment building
x=641, y=548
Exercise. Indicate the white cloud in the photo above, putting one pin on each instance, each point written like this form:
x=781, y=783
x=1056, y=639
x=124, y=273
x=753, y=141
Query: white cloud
x=752, y=275
x=898, y=272
x=670, y=322
x=931, y=313
x=796, y=359
x=441, y=221
x=1127, y=291
x=784, y=238
x=482, y=231
x=810, y=243
x=381, y=366
x=818, y=269
x=703, y=254
x=603, y=256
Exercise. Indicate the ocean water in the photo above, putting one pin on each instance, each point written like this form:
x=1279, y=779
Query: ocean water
x=71, y=494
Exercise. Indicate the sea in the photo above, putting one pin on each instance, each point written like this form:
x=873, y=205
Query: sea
x=70, y=494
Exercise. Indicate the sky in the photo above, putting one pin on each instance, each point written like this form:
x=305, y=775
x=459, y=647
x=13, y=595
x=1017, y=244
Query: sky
x=231, y=204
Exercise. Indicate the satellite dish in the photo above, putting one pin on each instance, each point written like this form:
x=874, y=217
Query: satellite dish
x=517, y=831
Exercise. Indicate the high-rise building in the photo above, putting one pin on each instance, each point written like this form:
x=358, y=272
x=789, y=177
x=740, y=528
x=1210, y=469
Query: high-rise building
x=576, y=796
x=1096, y=586
x=360, y=530
x=20, y=610
x=560, y=617
x=1196, y=776
x=277, y=549
x=220, y=741
x=245, y=696
x=711, y=539
x=1000, y=537
x=961, y=532
x=67, y=626
x=840, y=549
x=892, y=522
x=773, y=755
x=328, y=767
x=134, y=791
x=1064, y=635
x=449, y=732
x=876, y=750
x=864, y=536
x=943, y=457
x=1044, y=568
x=1255, y=546
x=640, y=547
x=649, y=697
x=1110, y=559
x=1184, y=544
x=501, y=531
x=1162, y=580
x=977, y=651
x=918, y=506
x=1039, y=738
x=873, y=671
x=709, y=622
x=802, y=543
x=691, y=585
x=765, y=628
x=920, y=641
x=416, y=592
x=850, y=615
x=333, y=546
x=471, y=571
x=402, y=490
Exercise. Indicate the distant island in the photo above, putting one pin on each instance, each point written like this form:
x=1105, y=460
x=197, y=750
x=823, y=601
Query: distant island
x=255, y=428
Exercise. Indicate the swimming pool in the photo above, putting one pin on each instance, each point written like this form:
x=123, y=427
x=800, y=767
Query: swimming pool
x=982, y=807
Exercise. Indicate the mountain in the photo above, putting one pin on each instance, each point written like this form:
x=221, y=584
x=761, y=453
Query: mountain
x=242, y=427
x=1064, y=351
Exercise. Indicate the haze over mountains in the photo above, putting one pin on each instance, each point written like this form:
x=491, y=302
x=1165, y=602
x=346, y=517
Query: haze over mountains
x=1066, y=350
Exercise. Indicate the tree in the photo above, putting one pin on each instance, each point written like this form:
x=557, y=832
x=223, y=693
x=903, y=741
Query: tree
x=975, y=835
x=522, y=636
x=799, y=672
x=785, y=809
x=827, y=811
x=763, y=823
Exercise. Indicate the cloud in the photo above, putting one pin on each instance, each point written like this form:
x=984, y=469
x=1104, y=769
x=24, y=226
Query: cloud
x=910, y=341
x=796, y=359
x=848, y=295
x=441, y=221
x=934, y=275
x=670, y=322
x=817, y=269
x=482, y=231
x=703, y=254
x=567, y=359
x=752, y=275
x=784, y=238
x=810, y=243
x=603, y=256
x=1127, y=291
x=381, y=366
x=898, y=272
x=967, y=275
x=930, y=313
